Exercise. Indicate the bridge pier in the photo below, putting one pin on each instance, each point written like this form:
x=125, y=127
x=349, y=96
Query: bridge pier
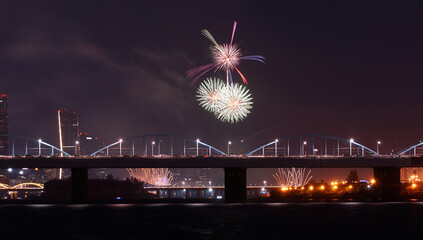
x=388, y=182
x=235, y=184
x=79, y=185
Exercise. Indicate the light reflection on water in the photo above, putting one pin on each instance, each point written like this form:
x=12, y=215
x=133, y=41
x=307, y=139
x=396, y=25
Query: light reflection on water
x=78, y=206
x=275, y=204
x=120, y=205
x=39, y=205
x=347, y=220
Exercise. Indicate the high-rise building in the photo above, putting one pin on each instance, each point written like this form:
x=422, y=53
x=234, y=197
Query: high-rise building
x=4, y=124
x=68, y=131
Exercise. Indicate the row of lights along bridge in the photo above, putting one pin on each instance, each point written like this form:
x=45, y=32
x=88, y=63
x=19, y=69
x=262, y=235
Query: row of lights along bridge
x=153, y=143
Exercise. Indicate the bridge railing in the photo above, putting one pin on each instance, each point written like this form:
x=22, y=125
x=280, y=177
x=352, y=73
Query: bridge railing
x=411, y=150
x=20, y=145
x=313, y=145
x=158, y=145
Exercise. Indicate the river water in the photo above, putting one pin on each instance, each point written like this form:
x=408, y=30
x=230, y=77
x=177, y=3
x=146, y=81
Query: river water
x=315, y=220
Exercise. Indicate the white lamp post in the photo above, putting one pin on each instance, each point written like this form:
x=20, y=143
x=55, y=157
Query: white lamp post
x=120, y=147
x=39, y=147
x=276, y=147
x=304, y=145
x=198, y=140
x=76, y=148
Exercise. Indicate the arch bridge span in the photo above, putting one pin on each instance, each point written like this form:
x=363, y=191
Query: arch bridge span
x=163, y=145
x=158, y=145
x=312, y=145
x=413, y=150
x=22, y=186
x=23, y=146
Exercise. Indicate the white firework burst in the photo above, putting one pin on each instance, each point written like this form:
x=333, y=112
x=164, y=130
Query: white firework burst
x=292, y=178
x=235, y=103
x=208, y=94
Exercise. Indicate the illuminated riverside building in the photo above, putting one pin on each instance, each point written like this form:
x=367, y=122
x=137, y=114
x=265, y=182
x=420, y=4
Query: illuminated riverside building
x=4, y=124
x=203, y=177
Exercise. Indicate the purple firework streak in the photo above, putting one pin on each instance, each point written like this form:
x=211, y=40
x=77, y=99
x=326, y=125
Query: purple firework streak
x=225, y=56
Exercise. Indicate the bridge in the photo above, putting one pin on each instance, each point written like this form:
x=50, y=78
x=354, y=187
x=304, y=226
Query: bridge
x=167, y=151
x=22, y=186
x=160, y=145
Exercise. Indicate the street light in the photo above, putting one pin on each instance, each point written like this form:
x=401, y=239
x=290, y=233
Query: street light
x=304, y=144
x=39, y=146
x=76, y=147
x=198, y=140
x=377, y=146
x=276, y=147
x=229, y=143
x=152, y=148
x=351, y=141
x=120, y=147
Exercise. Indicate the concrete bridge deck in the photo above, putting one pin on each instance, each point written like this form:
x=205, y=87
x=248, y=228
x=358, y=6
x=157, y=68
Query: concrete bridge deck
x=211, y=162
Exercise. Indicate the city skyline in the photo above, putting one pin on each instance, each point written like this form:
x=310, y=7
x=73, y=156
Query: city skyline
x=356, y=77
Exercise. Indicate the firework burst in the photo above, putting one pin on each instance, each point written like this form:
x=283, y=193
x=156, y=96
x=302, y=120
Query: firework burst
x=235, y=103
x=292, y=178
x=226, y=57
x=208, y=94
x=152, y=176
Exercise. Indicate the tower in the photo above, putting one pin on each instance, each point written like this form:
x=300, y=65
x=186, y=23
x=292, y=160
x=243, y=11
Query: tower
x=68, y=131
x=4, y=124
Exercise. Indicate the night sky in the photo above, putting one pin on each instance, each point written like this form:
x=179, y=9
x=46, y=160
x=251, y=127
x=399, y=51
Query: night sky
x=347, y=68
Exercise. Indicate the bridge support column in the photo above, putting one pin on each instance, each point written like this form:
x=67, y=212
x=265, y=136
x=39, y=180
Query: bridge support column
x=79, y=185
x=235, y=184
x=388, y=182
